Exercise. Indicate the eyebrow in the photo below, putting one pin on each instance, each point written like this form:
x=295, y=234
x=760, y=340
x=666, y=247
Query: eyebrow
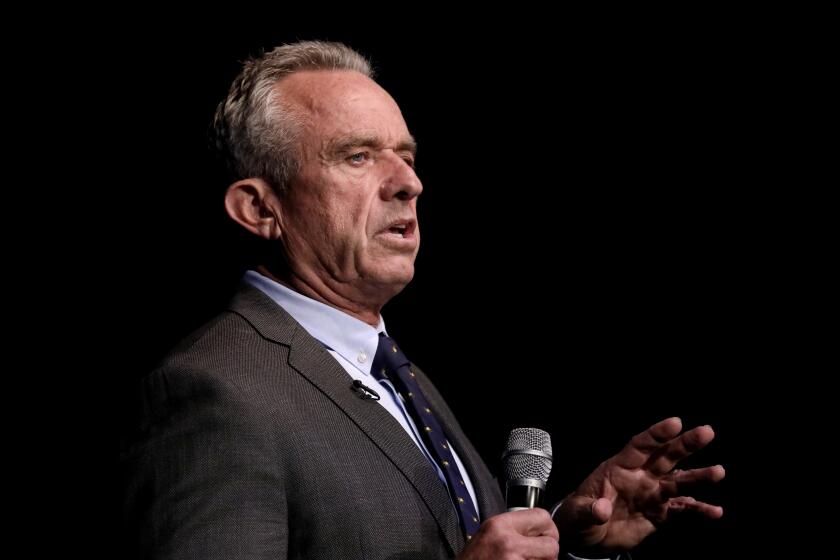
x=342, y=145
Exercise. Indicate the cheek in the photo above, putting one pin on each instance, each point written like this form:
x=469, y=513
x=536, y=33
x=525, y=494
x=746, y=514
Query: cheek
x=343, y=213
x=356, y=217
x=343, y=229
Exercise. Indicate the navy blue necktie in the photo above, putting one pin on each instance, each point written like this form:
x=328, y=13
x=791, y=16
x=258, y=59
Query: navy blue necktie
x=392, y=364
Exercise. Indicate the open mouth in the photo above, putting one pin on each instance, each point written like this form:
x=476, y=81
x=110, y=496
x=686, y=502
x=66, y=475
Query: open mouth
x=402, y=228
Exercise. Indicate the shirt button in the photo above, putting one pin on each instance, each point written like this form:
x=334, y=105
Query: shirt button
x=362, y=357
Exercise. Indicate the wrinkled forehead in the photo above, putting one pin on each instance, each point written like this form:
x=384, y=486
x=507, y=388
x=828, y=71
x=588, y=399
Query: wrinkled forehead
x=343, y=102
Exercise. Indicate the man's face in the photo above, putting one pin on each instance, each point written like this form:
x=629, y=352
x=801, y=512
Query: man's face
x=349, y=219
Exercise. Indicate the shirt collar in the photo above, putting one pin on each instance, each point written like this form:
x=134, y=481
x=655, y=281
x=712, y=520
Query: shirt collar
x=351, y=338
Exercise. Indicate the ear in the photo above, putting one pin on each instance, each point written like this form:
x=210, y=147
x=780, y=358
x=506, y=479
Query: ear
x=254, y=205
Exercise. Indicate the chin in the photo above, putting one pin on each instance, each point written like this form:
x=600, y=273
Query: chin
x=394, y=278
x=401, y=277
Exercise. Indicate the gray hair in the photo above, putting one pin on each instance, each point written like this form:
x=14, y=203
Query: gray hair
x=254, y=129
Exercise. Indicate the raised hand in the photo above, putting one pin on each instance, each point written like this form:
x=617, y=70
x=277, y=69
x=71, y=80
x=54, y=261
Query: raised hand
x=629, y=495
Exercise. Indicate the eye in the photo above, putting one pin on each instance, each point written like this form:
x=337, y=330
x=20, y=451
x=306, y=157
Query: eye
x=409, y=160
x=358, y=158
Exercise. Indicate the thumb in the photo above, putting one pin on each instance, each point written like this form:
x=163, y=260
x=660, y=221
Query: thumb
x=582, y=511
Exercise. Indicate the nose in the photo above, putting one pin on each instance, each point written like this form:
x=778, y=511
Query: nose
x=401, y=182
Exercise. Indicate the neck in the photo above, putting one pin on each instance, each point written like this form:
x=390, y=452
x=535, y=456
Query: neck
x=319, y=291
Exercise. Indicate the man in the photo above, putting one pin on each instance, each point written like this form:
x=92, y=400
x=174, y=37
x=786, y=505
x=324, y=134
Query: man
x=291, y=425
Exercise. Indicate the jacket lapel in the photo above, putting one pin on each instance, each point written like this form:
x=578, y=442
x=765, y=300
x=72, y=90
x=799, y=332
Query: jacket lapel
x=308, y=357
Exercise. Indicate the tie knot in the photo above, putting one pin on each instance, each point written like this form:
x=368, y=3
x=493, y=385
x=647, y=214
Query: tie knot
x=389, y=358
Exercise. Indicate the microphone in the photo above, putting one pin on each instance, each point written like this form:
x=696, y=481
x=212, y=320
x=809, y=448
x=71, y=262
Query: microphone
x=527, y=463
x=364, y=391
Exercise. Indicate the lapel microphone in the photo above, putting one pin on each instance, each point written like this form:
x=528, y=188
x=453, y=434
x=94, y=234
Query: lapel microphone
x=363, y=391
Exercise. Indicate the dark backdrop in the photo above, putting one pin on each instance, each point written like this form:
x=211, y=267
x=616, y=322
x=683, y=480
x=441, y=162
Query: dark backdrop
x=589, y=232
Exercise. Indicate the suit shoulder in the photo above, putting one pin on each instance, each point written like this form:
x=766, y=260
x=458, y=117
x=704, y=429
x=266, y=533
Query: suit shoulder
x=226, y=341
x=225, y=356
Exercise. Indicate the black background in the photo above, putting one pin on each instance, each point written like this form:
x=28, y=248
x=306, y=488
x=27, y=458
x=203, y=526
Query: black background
x=593, y=250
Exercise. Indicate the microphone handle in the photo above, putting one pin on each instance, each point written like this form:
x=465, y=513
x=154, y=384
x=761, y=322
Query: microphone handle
x=520, y=497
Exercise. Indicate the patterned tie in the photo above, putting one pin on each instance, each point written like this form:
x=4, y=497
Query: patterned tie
x=392, y=364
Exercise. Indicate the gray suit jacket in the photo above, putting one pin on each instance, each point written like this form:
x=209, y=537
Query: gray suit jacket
x=251, y=444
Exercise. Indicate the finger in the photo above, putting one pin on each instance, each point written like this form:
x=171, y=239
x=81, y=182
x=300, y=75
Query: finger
x=551, y=531
x=526, y=533
x=538, y=547
x=679, y=480
x=638, y=451
x=683, y=504
x=665, y=458
x=705, y=474
x=498, y=538
x=530, y=522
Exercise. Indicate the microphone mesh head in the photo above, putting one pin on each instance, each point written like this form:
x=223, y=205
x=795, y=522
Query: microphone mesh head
x=522, y=457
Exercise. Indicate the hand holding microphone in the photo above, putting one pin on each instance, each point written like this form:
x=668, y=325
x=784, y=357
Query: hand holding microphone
x=526, y=531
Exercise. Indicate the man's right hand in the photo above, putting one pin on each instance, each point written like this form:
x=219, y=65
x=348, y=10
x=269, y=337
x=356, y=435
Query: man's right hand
x=515, y=535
